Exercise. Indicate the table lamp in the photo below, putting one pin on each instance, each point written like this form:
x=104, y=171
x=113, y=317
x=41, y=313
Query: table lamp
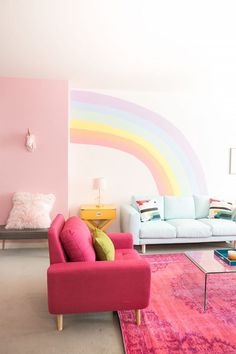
x=100, y=184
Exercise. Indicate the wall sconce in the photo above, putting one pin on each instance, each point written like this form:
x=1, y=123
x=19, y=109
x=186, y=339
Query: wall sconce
x=100, y=184
x=30, y=142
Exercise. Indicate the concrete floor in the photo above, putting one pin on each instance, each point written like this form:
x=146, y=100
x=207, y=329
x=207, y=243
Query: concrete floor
x=27, y=328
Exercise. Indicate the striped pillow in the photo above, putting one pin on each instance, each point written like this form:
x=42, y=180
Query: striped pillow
x=220, y=209
x=148, y=210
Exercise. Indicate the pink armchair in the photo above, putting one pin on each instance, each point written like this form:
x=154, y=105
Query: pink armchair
x=94, y=286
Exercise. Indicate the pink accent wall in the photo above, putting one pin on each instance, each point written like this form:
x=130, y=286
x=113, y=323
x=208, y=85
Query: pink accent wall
x=42, y=106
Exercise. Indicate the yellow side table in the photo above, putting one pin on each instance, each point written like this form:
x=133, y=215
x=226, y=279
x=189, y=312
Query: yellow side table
x=98, y=216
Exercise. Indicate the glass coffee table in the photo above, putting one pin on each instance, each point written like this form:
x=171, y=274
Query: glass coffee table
x=209, y=263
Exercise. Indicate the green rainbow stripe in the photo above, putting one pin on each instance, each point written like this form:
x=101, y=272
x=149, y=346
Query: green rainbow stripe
x=108, y=121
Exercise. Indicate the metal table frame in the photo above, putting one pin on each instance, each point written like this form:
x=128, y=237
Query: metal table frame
x=206, y=273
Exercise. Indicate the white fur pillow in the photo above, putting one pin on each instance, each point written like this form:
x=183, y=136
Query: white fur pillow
x=30, y=211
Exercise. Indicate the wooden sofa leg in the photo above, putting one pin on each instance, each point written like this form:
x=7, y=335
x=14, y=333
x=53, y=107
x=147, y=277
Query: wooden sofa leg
x=59, y=322
x=138, y=317
x=143, y=248
x=3, y=244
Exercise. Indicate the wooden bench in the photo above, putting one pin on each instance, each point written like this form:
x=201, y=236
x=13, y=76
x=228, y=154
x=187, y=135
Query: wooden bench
x=24, y=234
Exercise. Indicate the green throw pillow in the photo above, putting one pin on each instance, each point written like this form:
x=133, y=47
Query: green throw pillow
x=103, y=245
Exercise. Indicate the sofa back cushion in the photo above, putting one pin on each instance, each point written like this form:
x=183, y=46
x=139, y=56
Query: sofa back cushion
x=179, y=207
x=77, y=240
x=159, y=202
x=202, y=204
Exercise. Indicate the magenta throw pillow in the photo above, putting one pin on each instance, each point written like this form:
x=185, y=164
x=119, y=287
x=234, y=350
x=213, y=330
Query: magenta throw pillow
x=77, y=241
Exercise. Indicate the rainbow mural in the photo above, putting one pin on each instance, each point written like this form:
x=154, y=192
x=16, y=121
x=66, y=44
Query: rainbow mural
x=104, y=120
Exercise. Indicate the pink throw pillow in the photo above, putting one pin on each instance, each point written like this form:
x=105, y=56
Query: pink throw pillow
x=77, y=241
x=30, y=211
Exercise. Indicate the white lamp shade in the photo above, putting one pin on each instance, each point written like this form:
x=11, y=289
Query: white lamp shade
x=99, y=183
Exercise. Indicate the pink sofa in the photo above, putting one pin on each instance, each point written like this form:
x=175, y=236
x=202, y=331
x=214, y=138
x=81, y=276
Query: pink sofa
x=95, y=286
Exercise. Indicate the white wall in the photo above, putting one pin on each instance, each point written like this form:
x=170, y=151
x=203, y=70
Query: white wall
x=207, y=123
x=122, y=171
x=175, y=57
x=207, y=119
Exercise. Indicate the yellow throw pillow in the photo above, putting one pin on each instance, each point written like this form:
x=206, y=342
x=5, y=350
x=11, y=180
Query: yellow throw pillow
x=103, y=245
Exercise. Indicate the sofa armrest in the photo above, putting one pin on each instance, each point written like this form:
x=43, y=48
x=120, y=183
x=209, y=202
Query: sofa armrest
x=75, y=287
x=130, y=222
x=121, y=240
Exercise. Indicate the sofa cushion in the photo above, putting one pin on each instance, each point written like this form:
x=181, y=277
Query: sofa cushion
x=160, y=229
x=220, y=209
x=202, y=203
x=148, y=209
x=77, y=240
x=126, y=254
x=159, y=199
x=104, y=248
x=221, y=227
x=179, y=207
x=190, y=228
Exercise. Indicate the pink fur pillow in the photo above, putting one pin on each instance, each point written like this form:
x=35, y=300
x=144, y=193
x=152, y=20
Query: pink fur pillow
x=30, y=211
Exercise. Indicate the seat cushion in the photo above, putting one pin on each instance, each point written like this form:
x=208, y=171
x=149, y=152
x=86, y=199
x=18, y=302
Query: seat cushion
x=77, y=240
x=220, y=227
x=126, y=254
x=157, y=229
x=179, y=207
x=190, y=228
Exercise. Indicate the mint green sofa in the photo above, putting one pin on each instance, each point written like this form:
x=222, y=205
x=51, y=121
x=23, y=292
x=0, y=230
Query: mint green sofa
x=184, y=219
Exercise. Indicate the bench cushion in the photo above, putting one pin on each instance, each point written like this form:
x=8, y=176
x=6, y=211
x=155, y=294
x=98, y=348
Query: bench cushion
x=23, y=234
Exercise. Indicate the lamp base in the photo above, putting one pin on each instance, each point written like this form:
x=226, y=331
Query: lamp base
x=99, y=205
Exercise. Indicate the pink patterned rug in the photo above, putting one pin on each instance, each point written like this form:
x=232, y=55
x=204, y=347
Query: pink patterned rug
x=175, y=322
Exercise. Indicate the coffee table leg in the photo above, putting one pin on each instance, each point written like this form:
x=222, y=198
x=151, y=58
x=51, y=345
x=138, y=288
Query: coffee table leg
x=205, y=289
